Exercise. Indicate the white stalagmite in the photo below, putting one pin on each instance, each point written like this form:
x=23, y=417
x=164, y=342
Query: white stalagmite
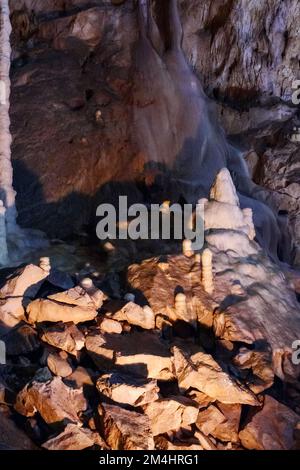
x=207, y=274
x=7, y=193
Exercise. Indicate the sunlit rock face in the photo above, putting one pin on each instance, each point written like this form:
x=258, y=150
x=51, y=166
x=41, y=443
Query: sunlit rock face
x=72, y=95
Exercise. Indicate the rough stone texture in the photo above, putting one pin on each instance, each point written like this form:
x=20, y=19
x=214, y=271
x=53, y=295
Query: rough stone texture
x=271, y=428
x=72, y=438
x=12, y=438
x=45, y=310
x=207, y=376
x=141, y=354
x=170, y=414
x=128, y=390
x=22, y=339
x=19, y=290
x=126, y=430
x=58, y=365
x=65, y=336
x=52, y=399
x=136, y=315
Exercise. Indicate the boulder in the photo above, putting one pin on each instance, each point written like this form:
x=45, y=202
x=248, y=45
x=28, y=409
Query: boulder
x=228, y=430
x=46, y=310
x=142, y=354
x=126, y=430
x=19, y=290
x=52, y=399
x=204, y=374
x=59, y=365
x=128, y=390
x=136, y=315
x=271, y=428
x=170, y=414
x=65, y=336
x=107, y=325
x=208, y=420
x=73, y=438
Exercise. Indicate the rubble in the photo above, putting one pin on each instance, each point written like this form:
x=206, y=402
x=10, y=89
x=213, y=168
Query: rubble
x=46, y=310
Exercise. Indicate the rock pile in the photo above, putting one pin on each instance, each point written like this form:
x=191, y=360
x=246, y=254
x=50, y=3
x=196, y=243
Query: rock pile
x=172, y=365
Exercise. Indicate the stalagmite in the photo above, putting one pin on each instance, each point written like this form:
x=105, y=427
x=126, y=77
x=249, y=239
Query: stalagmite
x=207, y=274
x=187, y=248
x=248, y=219
x=45, y=265
x=7, y=193
x=223, y=189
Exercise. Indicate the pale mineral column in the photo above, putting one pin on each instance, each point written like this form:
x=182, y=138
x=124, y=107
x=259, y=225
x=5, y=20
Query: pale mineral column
x=7, y=193
x=207, y=273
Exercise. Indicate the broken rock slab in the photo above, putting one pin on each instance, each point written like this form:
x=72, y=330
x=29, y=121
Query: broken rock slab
x=128, y=390
x=45, y=310
x=271, y=428
x=49, y=396
x=108, y=325
x=136, y=315
x=142, y=354
x=126, y=430
x=19, y=290
x=78, y=296
x=64, y=336
x=170, y=414
x=59, y=365
x=74, y=438
x=204, y=374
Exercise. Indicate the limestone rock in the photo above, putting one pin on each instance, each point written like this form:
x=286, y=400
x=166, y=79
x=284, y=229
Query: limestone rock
x=18, y=291
x=108, y=325
x=136, y=315
x=58, y=365
x=72, y=438
x=54, y=400
x=271, y=428
x=45, y=310
x=161, y=443
x=228, y=430
x=80, y=377
x=65, y=336
x=260, y=363
x=170, y=414
x=139, y=353
x=208, y=377
x=126, y=430
x=78, y=296
x=209, y=419
x=128, y=390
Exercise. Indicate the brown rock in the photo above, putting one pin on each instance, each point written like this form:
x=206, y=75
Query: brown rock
x=228, y=431
x=129, y=390
x=108, y=325
x=77, y=296
x=209, y=419
x=54, y=400
x=65, y=336
x=22, y=339
x=72, y=438
x=140, y=353
x=136, y=315
x=170, y=414
x=44, y=310
x=80, y=377
x=58, y=365
x=208, y=377
x=19, y=290
x=126, y=430
x=260, y=363
x=161, y=443
x=271, y=428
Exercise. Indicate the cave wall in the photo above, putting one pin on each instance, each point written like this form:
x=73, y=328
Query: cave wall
x=71, y=116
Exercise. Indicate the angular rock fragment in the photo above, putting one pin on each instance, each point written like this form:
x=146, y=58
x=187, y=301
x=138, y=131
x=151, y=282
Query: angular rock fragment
x=139, y=353
x=18, y=291
x=59, y=365
x=136, y=315
x=45, y=310
x=65, y=336
x=161, y=443
x=208, y=377
x=72, y=438
x=54, y=400
x=271, y=428
x=108, y=325
x=126, y=430
x=77, y=296
x=170, y=414
x=81, y=377
x=260, y=362
x=209, y=419
x=128, y=390
x=228, y=430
